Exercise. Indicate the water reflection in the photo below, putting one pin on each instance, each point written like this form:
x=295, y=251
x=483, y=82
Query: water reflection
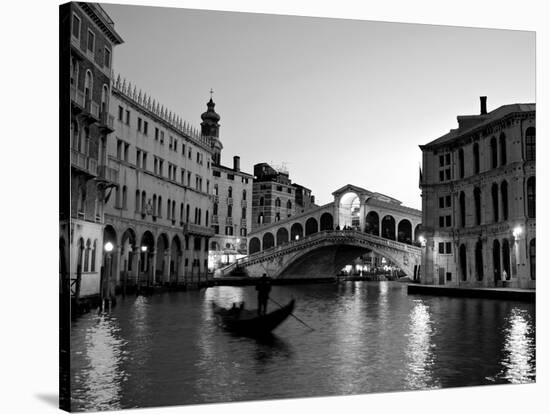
x=101, y=382
x=519, y=348
x=368, y=337
x=420, y=350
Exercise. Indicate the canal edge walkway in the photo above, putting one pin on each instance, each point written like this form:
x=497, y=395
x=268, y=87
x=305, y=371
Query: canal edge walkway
x=527, y=295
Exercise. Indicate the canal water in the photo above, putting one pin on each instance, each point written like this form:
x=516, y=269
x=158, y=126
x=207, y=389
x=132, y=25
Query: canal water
x=369, y=337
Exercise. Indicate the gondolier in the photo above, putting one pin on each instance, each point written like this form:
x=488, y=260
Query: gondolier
x=263, y=287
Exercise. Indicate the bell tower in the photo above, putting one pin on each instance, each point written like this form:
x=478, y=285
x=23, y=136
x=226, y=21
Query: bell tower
x=210, y=128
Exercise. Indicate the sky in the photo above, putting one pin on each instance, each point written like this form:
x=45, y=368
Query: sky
x=336, y=101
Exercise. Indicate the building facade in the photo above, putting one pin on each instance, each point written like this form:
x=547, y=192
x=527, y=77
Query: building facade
x=232, y=199
x=478, y=201
x=92, y=42
x=275, y=197
x=159, y=214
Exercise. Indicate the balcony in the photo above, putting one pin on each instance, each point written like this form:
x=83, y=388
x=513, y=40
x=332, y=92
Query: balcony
x=216, y=198
x=243, y=203
x=229, y=221
x=77, y=99
x=108, y=174
x=229, y=200
x=91, y=109
x=106, y=122
x=189, y=228
x=243, y=223
x=215, y=219
x=84, y=163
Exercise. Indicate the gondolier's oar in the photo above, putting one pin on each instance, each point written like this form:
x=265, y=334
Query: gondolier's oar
x=291, y=314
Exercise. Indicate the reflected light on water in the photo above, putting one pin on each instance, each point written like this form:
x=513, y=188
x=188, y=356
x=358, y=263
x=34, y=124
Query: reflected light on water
x=519, y=348
x=419, y=351
x=104, y=354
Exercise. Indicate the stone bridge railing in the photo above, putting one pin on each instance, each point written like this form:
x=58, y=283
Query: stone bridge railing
x=331, y=235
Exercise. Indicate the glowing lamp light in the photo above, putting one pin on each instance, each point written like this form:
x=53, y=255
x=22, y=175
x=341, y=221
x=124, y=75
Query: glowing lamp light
x=297, y=237
x=143, y=249
x=421, y=240
x=109, y=247
x=517, y=231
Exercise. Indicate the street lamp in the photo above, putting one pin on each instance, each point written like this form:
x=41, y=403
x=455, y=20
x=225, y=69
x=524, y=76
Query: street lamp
x=517, y=232
x=107, y=281
x=422, y=240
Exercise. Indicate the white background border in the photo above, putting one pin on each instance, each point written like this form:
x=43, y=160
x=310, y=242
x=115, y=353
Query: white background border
x=29, y=208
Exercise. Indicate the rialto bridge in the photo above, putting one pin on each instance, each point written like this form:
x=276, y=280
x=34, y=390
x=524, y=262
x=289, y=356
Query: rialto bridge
x=320, y=241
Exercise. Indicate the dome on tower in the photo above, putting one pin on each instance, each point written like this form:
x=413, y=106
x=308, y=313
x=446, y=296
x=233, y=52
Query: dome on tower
x=210, y=114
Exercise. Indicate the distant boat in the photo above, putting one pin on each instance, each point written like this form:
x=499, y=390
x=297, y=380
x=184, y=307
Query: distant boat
x=248, y=322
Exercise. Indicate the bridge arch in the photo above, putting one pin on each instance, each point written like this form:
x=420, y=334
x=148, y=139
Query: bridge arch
x=404, y=231
x=282, y=236
x=296, y=231
x=326, y=258
x=372, y=223
x=327, y=222
x=254, y=245
x=268, y=241
x=349, y=210
x=388, y=227
x=311, y=226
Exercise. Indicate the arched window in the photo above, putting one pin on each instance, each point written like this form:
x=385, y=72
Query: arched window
x=504, y=199
x=261, y=218
x=532, y=258
x=168, y=206
x=94, y=250
x=105, y=99
x=277, y=202
x=81, y=202
x=207, y=213
x=494, y=153
x=173, y=209
x=531, y=197
x=502, y=144
x=462, y=203
x=215, y=212
x=137, y=201
x=87, y=255
x=187, y=208
x=181, y=213
x=496, y=261
x=215, y=189
x=476, y=158
x=124, y=197
x=506, y=258
x=479, y=260
x=461, y=163
x=289, y=205
x=88, y=85
x=154, y=205
x=159, y=209
x=230, y=210
x=200, y=217
x=530, y=144
x=463, y=262
x=261, y=201
x=494, y=194
x=143, y=201
x=244, y=194
x=477, y=203
x=230, y=192
x=76, y=135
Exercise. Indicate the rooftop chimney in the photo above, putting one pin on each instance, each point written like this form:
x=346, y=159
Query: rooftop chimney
x=237, y=163
x=483, y=100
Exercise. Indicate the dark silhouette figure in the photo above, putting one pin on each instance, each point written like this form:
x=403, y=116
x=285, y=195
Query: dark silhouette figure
x=263, y=287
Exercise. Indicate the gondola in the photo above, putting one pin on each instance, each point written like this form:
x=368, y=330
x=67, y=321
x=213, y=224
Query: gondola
x=247, y=322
